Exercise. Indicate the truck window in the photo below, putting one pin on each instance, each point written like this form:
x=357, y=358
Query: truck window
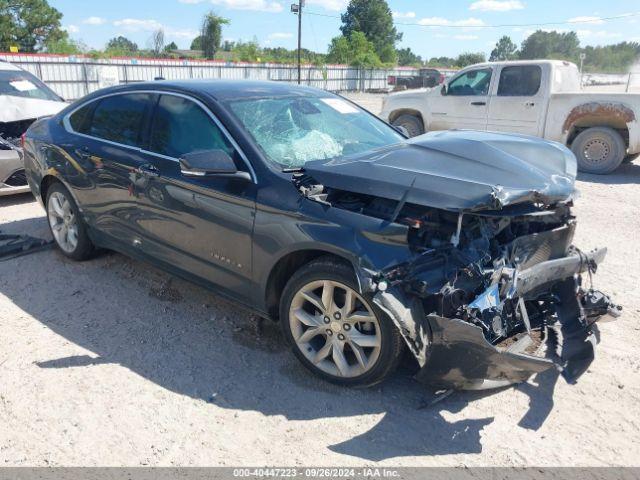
x=471, y=83
x=520, y=81
x=566, y=78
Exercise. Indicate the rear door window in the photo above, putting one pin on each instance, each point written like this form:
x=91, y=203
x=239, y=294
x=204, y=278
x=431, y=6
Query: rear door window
x=120, y=118
x=79, y=120
x=181, y=126
x=520, y=81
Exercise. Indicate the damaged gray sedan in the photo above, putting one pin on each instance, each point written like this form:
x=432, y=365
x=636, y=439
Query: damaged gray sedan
x=311, y=211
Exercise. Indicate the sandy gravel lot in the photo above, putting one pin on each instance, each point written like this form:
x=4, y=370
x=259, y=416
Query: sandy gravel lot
x=112, y=362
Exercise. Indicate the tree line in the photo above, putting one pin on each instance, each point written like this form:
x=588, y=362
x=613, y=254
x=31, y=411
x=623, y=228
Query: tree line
x=368, y=38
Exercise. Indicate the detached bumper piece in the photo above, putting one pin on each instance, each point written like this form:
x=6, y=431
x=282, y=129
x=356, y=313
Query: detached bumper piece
x=12, y=246
x=558, y=327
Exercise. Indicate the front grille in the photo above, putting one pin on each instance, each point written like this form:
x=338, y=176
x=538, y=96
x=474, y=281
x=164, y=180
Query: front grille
x=18, y=179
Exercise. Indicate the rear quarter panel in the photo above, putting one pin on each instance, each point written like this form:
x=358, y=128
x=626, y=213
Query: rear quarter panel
x=568, y=110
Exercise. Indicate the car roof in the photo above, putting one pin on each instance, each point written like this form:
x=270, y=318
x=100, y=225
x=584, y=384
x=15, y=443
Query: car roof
x=557, y=63
x=225, y=89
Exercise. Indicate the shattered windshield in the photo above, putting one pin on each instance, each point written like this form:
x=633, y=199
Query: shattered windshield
x=16, y=83
x=292, y=131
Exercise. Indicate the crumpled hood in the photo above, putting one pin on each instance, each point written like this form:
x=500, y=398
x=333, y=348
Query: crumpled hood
x=457, y=171
x=14, y=109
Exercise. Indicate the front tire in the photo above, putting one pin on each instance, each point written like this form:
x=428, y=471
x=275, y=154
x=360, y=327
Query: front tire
x=411, y=123
x=338, y=334
x=66, y=224
x=599, y=150
x=631, y=158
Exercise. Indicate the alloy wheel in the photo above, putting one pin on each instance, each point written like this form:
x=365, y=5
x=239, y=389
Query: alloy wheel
x=335, y=329
x=63, y=222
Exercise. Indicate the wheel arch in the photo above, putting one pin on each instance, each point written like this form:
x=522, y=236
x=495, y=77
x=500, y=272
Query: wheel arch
x=616, y=116
x=287, y=265
x=393, y=116
x=46, y=183
x=50, y=179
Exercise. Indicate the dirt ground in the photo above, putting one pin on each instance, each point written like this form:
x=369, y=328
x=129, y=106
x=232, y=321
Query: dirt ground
x=112, y=362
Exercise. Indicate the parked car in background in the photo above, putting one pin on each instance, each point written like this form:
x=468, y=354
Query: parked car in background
x=311, y=211
x=539, y=97
x=426, y=78
x=23, y=99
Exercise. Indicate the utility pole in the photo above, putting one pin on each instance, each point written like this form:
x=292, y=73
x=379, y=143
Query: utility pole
x=296, y=8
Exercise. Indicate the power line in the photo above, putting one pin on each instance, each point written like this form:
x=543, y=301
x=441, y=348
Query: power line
x=543, y=24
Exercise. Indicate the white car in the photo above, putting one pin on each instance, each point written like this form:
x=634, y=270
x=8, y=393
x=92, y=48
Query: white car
x=538, y=97
x=23, y=99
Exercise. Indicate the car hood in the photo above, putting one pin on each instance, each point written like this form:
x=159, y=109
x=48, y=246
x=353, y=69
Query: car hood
x=15, y=109
x=457, y=171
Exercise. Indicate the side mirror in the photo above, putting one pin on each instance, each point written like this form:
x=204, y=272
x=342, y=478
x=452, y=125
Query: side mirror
x=402, y=130
x=209, y=163
x=443, y=90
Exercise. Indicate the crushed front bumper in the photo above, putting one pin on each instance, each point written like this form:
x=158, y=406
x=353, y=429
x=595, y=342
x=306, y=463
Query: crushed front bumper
x=455, y=354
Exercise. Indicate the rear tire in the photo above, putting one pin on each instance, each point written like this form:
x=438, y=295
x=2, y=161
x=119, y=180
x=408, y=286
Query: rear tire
x=349, y=342
x=411, y=123
x=599, y=150
x=66, y=224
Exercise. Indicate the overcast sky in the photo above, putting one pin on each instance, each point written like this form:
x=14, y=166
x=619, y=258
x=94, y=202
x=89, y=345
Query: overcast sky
x=430, y=27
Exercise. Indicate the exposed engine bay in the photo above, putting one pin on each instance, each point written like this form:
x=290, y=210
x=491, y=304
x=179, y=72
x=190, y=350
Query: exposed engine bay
x=12, y=175
x=488, y=297
x=12, y=131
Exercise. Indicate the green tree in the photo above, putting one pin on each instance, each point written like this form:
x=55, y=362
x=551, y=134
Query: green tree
x=505, y=50
x=541, y=44
x=407, y=57
x=355, y=50
x=197, y=43
x=171, y=47
x=374, y=19
x=29, y=25
x=121, y=46
x=388, y=55
x=339, y=51
x=611, y=58
x=441, y=62
x=247, y=51
x=212, y=34
x=64, y=46
x=468, y=58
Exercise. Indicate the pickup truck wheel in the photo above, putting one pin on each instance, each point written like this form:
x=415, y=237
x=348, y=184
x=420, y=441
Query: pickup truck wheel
x=599, y=150
x=337, y=333
x=412, y=123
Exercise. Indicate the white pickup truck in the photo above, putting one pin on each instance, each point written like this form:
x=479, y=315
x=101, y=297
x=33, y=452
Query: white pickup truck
x=539, y=97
